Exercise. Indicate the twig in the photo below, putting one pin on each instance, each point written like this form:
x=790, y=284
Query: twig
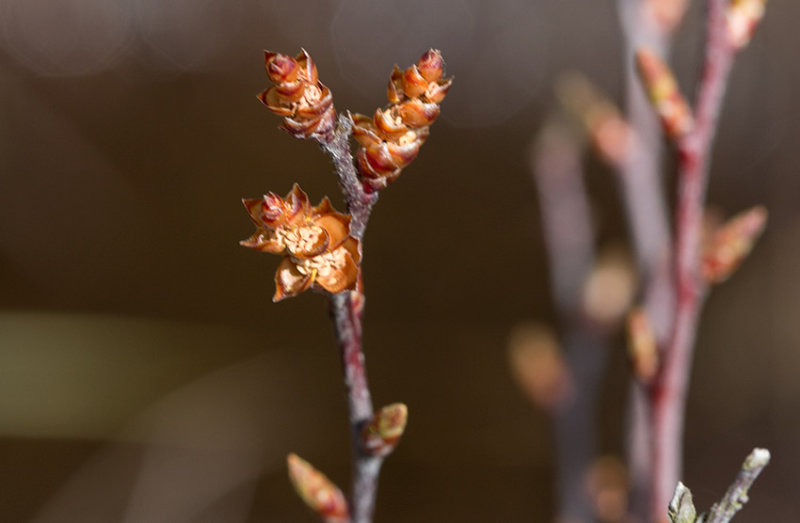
x=359, y=202
x=668, y=393
x=641, y=187
x=346, y=310
x=736, y=496
x=567, y=224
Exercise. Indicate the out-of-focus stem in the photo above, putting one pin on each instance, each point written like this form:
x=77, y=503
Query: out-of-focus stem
x=556, y=164
x=346, y=310
x=642, y=189
x=668, y=394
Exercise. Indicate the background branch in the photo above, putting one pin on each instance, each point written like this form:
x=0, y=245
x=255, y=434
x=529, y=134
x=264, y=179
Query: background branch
x=641, y=186
x=566, y=217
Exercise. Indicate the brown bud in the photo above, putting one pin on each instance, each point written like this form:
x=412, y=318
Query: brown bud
x=642, y=347
x=431, y=65
x=382, y=434
x=317, y=491
x=732, y=243
x=280, y=67
x=661, y=87
x=415, y=113
x=299, y=97
x=391, y=139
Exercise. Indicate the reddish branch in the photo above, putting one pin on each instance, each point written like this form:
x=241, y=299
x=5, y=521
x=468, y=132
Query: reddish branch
x=668, y=393
x=346, y=310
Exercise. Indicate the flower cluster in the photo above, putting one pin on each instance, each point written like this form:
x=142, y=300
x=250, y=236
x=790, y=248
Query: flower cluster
x=391, y=139
x=318, y=251
x=299, y=96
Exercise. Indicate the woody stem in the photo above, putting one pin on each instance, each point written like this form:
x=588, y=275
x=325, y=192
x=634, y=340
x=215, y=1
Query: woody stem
x=556, y=164
x=347, y=321
x=346, y=311
x=668, y=393
x=641, y=186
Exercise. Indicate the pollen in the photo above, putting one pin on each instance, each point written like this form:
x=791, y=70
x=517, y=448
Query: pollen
x=300, y=239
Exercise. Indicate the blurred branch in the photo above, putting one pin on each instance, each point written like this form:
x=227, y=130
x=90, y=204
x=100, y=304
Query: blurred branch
x=556, y=164
x=641, y=185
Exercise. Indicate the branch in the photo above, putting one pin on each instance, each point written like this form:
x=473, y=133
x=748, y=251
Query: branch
x=346, y=310
x=567, y=224
x=682, y=509
x=359, y=202
x=668, y=395
x=736, y=496
x=641, y=185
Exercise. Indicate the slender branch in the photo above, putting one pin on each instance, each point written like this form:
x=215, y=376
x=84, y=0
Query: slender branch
x=737, y=495
x=642, y=189
x=566, y=217
x=346, y=311
x=347, y=321
x=567, y=223
x=668, y=394
x=640, y=171
x=359, y=202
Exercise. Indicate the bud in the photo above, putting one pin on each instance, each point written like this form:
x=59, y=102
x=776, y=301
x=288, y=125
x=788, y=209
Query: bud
x=298, y=96
x=742, y=18
x=538, y=366
x=681, y=509
x=382, y=434
x=661, y=87
x=610, y=134
x=610, y=287
x=391, y=139
x=732, y=243
x=317, y=491
x=642, y=347
x=607, y=485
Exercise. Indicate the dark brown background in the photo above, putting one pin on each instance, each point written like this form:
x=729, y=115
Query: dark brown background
x=145, y=375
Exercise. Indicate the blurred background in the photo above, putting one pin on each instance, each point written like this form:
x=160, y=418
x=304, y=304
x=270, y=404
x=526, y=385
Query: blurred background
x=145, y=375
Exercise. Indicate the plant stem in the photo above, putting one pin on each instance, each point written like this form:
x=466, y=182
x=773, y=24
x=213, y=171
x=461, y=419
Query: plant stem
x=736, y=495
x=346, y=311
x=642, y=190
x=347, y=321
x=566, y=218
x=668, y=394
x=359, y=202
